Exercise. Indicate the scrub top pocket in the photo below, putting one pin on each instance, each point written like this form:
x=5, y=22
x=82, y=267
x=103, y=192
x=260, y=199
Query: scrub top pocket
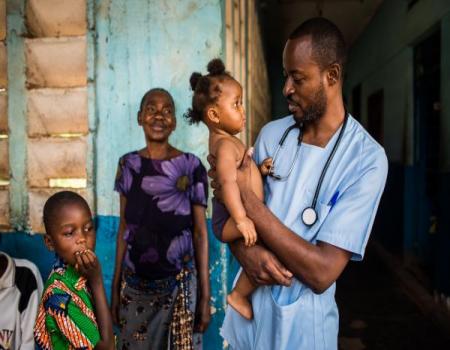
x=272, y=332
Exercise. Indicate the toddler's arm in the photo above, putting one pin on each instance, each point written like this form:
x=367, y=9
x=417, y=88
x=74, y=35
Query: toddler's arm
x=227, y=156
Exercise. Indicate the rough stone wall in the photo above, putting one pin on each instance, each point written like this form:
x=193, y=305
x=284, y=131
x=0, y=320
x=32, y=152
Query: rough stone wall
x=57, y=116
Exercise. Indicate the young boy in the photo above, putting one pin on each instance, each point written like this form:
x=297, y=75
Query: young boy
x=73, y=313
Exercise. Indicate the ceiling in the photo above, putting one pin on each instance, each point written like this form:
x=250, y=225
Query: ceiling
x=280, y=17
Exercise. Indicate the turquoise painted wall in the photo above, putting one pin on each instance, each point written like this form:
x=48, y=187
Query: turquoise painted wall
x=139, y=45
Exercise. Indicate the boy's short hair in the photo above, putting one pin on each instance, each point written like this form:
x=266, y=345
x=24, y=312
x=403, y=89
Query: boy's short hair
x=56, y=202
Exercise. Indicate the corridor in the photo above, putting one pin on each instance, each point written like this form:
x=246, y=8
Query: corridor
x=376, y=314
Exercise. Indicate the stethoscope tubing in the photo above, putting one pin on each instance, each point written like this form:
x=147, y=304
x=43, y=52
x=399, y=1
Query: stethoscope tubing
x=280, y=145
x=327, y=164
x=324, y=170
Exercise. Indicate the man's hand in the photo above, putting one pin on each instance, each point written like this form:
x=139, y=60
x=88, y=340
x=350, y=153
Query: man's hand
x=244, y=171
x=217, y=190
x=243, y=174
x=261, y=265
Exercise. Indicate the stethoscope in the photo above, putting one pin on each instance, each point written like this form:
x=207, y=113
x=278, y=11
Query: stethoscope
x=309, y=214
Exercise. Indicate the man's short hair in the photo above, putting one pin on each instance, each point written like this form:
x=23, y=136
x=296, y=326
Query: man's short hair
x=328, y=43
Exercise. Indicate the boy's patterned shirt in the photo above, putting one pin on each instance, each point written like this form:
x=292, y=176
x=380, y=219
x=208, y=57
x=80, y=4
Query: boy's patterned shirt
x=66, y=318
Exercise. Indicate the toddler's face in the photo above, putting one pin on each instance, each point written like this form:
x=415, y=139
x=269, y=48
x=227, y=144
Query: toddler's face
x=231, y=110
x=71, y=231
x=157, y=117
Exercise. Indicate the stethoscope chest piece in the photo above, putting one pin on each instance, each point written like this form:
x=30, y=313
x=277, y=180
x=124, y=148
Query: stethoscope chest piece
x=309, y=216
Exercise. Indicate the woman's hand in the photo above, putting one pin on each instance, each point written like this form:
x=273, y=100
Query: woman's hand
x=203, y=315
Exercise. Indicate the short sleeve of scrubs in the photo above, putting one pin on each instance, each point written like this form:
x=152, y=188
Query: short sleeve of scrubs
x=350, y=220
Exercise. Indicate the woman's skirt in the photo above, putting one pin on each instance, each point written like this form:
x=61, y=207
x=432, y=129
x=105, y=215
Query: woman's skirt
x=158, y=314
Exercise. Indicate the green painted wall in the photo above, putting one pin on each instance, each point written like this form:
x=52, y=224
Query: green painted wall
x=17, y=115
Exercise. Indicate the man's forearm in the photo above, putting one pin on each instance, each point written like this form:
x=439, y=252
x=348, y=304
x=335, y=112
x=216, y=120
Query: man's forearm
x=308, y=262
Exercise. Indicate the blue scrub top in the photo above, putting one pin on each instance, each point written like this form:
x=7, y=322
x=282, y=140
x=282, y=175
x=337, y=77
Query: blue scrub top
x=295, y=317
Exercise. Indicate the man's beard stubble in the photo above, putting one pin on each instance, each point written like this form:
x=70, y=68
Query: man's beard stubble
x=316, y=110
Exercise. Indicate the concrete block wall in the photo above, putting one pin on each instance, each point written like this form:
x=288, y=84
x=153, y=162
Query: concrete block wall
x=55, y=158
x=56, y=101
x=57, y=111
x=56, y=18
x=56, y=62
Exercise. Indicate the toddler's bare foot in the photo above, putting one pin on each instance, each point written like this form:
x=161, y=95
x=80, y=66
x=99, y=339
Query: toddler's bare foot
x=240, y=304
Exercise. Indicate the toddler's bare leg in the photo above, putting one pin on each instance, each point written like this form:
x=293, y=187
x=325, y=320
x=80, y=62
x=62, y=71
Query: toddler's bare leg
x=239, y=298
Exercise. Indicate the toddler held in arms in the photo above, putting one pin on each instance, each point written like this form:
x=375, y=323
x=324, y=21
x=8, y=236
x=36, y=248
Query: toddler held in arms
x=217, y=101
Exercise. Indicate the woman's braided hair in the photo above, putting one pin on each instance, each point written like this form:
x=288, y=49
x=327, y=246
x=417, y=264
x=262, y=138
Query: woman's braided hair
x=206, y=89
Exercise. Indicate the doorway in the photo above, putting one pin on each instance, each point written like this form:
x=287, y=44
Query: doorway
x=427, y=79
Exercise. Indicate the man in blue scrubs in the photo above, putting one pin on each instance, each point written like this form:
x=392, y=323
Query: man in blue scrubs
x=296, y=269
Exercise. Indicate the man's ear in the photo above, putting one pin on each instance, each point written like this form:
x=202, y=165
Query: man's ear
x=212, y=115
x=49, y=242
x=334, y=74
x=139, y=119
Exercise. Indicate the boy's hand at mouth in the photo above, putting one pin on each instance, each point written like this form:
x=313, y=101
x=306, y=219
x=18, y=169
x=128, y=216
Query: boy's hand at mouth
x=88, y=266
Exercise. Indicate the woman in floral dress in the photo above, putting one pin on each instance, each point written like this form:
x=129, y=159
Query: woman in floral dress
x=161, y=281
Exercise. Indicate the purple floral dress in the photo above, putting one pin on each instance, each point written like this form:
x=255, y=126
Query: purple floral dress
x=160, y=195
x=159, y=284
